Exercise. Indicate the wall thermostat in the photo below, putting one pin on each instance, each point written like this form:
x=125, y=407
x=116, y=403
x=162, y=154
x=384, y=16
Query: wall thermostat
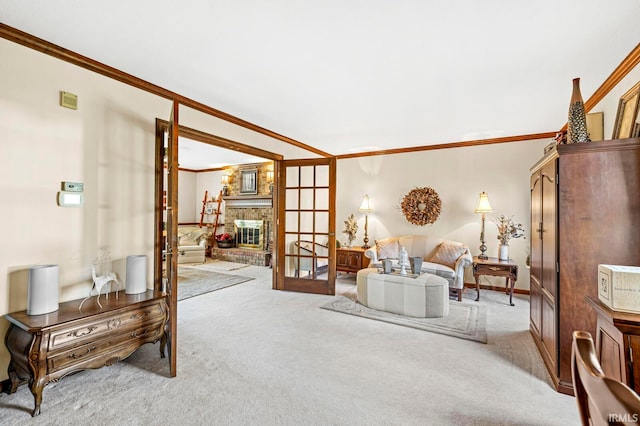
x=72, y=186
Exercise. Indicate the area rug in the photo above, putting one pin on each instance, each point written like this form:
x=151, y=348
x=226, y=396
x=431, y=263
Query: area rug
x=217, y=265
x=194, y=282
x=465, y=321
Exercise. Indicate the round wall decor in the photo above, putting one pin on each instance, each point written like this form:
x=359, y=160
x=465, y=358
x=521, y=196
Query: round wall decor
x=421, y=206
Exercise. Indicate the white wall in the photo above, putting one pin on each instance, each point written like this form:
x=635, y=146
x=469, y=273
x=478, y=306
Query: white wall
x=108, y=144
x=210, y=182
x=458, y=175
x=189, y=202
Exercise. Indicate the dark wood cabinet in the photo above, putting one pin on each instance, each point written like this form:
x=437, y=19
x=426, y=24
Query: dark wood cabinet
x=585, y=210
x=543, y=278
x=618, y=343
x=351, y=259
x=45, y=348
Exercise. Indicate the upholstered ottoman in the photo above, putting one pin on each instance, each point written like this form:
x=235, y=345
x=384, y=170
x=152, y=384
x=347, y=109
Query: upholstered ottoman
x=425, y=296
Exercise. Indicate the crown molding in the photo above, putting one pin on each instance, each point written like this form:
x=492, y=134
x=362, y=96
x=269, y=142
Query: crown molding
x=35, y=43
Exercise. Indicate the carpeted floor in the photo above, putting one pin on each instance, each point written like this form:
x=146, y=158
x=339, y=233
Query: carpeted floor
x=215, y=265
x=194, y=282
x=465, y=320
x=249, y=355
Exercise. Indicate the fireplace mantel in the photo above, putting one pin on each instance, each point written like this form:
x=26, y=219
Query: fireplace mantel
x=248, y=201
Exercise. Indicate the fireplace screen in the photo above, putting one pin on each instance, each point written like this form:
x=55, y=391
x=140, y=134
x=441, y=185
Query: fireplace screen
x=249, y=233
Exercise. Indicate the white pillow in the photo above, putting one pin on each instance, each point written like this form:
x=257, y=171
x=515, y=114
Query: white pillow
x=447, y=253
x=388, y=248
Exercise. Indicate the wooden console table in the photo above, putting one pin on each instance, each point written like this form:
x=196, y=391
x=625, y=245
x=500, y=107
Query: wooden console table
x=497, y=268
x=45, y=348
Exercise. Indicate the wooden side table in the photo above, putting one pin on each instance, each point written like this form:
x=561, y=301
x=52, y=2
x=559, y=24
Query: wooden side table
x=496, y=268
x=351, y=259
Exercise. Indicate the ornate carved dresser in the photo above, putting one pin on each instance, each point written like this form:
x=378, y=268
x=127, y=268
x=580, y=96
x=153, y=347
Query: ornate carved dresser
x=45, y=348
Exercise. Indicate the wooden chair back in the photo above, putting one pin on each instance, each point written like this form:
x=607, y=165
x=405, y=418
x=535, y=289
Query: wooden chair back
x=601, y=400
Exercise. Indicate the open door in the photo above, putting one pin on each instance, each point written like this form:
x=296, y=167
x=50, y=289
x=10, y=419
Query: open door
x=306, y=230
x=171, y=262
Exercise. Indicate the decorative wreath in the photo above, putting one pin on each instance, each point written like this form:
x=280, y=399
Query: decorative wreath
x=421, y=206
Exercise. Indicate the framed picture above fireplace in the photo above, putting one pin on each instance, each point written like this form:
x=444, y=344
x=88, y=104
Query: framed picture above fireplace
x=249, y=181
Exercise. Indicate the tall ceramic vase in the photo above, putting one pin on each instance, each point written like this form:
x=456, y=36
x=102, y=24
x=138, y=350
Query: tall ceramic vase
x=577, y=121
x=503, y=252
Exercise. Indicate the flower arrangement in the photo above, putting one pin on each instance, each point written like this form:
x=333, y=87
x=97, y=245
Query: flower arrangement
x=350, y=228
x=224, y=237
x=508, y=229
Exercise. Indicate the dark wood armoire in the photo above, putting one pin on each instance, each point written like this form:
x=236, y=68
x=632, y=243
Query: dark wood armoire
x=585, y=211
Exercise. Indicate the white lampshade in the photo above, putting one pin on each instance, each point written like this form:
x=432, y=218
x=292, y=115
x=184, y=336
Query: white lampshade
x=136, y=274
x=42, y=292
x=365, y=207
x=483, y=204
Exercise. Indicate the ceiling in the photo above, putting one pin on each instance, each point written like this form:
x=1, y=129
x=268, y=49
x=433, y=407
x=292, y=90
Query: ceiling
x=348, y=76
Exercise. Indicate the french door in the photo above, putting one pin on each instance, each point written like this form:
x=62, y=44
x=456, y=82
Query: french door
x=306, y=226
x=171, y=262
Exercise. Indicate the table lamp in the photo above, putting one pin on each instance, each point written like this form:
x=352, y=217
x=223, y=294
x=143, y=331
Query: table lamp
x=483, y=207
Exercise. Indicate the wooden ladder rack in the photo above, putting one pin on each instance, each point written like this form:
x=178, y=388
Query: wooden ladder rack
x=217, y=212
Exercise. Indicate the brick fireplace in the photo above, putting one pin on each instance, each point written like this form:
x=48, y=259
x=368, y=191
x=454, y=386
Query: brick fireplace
x=249, y=218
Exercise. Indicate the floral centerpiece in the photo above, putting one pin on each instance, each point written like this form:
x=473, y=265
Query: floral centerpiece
x=224, y=240
x=508, y=229
x=350, y=228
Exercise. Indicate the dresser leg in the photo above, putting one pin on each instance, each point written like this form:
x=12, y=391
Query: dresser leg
x=163, y=345
x=36, y=390
x=13, y=377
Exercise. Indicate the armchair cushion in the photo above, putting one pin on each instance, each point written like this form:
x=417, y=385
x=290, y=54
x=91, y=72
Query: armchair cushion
x=388, y=248
x=439, y=270
x=447, y=253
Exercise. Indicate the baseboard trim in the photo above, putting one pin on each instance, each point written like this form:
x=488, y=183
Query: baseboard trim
x=496, y=288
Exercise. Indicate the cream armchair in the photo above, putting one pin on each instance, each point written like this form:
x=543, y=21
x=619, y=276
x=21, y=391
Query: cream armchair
x=192, y=241
x=443, y=258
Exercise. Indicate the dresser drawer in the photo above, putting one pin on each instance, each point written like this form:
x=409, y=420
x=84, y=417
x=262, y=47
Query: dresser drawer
x=103, y=324
x=97, y=353
x=495, y=270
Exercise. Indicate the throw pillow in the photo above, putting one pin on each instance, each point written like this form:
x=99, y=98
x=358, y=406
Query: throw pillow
x=447, y=253
x=388, y=248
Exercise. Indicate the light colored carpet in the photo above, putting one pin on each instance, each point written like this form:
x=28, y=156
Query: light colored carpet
x=249, y=355
x=194, y=282
x=465, y=321
x=216, y=265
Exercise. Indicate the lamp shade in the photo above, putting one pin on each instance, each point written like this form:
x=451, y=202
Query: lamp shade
x=225, y=180
x=269, y=176
x=483, y=204
x=42, y=292
x=365, y=207
x=136, y=281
